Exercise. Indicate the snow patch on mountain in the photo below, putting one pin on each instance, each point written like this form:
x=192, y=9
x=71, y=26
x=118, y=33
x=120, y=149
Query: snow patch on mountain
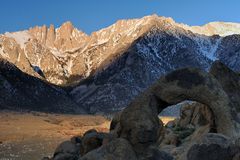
x=212, y=54
x=20, y=37
x=225, y=28
x=214, y=28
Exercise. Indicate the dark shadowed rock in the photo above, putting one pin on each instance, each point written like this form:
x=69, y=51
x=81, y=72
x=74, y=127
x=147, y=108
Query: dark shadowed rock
x=170, y=138
x=211, y=152
x=65, y=156
x=140, y=123
x=92, y=140
x=108, y=138
x=115, y=121
x=214, y=138
x=229, y=80
x=67, y=151
x=236, y=157
x=186, y=78
x=118, y=149
x=153, y=153
x=76, y=140
x=237, y=141
x=90, y=131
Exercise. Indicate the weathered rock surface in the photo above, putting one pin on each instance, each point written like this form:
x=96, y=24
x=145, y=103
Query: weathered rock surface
x=67, y=151
x=140, y=123
x=229, y=80
x=153, y=153
x=195, y=114
x=212, y=152
x=92, y=140
x=118, y=149
x=216, y=138
x=115, y=120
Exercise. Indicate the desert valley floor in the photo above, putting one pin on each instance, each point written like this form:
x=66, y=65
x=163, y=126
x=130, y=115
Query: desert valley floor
x=35, y=135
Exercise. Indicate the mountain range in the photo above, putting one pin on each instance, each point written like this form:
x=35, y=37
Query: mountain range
x=65, y=70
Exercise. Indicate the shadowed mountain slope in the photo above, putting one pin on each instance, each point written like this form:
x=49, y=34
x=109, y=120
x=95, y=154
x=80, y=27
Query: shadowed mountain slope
x=20, y=91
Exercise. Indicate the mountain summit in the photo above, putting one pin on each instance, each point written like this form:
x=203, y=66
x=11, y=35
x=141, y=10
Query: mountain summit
x=111, y=66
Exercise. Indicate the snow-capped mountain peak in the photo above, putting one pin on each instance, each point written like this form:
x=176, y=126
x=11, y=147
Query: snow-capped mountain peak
x=108, y=68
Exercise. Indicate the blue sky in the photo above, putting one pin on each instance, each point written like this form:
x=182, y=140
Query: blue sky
x=91, y=15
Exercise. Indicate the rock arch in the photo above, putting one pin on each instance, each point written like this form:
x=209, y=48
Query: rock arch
x=139, y=121
x=193, y=84
x=135, y=131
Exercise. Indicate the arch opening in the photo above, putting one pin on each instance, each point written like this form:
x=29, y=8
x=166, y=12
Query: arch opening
x=188, y=113
x=185, y=119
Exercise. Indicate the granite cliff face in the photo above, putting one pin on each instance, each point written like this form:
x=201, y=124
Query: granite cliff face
x=108, y=68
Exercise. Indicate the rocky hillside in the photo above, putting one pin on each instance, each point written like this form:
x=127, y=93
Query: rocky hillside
x=163, y=48
x=20, y=91
x=108, y=68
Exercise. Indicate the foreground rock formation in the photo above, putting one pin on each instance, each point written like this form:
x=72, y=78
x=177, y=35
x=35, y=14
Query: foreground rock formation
x=208, y=130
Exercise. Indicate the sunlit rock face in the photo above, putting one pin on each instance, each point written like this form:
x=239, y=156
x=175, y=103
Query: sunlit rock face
x=108, y=68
